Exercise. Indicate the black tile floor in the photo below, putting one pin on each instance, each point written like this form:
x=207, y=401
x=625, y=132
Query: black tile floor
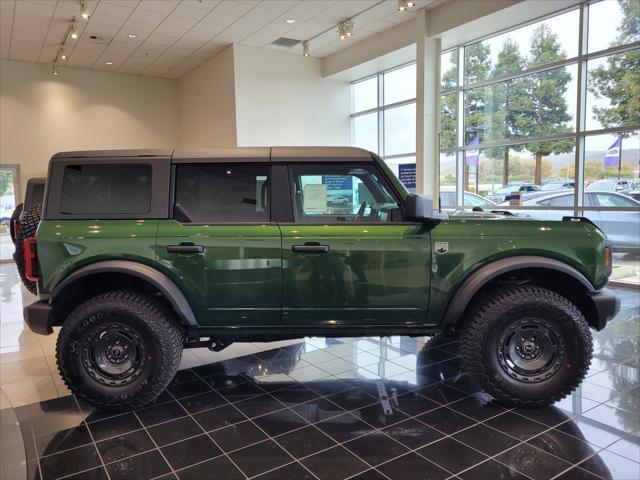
x=313, y=411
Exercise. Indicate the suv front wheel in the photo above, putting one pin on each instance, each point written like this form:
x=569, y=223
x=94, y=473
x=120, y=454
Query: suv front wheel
x=119, y=349
x=526, y=346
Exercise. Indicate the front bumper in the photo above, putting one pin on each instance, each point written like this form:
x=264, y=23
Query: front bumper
x=605, y=305
x=38, y=317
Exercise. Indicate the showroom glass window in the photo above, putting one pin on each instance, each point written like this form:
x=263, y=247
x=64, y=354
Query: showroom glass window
x=383, y=118
x=534, y=107
x=221, y=193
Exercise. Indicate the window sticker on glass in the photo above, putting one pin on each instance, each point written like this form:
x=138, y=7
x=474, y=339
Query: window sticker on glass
x=315, y=198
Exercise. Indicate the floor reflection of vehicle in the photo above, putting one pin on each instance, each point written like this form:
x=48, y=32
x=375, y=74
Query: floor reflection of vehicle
x=448, y=200
x=621, y=227
x=280, y=360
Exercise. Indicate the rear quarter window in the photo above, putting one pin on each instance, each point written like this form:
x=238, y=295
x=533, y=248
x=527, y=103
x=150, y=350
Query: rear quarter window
x=106, y=189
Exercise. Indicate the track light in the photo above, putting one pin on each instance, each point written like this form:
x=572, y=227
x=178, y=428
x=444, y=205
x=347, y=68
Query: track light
x=345, y=29
x=54, y=68
x=84, y=12
x=305, y=48
x=74, y=30
x=62, y=55
x=404, y=5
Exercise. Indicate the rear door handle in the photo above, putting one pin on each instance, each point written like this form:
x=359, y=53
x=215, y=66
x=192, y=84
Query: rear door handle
x=310, y=247
x=185, y=248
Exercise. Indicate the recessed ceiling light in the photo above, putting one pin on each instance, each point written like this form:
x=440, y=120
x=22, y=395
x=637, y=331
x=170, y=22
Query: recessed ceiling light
x=290, y=20
x=109, y=63
x=132, y=35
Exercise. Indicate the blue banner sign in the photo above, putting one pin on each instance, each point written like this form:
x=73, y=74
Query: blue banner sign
x=407, y=174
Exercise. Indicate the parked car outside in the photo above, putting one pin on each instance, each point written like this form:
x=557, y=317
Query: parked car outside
x=622, y=185
x=553, y=186
x=621, y=227
x=448, y=200
x=501, y=194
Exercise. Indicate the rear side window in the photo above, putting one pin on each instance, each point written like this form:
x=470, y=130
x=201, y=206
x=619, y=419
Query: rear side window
x=220, y=193
x=106, y=189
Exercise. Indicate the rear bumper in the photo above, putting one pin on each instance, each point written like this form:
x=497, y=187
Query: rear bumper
x=38, y=317
x=606, y=305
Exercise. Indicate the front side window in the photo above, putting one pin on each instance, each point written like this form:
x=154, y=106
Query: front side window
x=210, y=193
x=106, y=189
x=342, y=194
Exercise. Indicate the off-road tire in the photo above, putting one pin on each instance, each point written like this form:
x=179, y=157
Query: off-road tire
x=501, y=311
x=158, y=335
x=28, y=226
x=15, y=216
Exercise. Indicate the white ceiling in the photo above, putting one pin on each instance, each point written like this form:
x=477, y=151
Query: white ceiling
x=175, y=36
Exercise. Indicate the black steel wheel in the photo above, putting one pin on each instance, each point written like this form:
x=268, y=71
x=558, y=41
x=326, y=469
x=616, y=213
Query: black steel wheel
x=531, y=349
x=119, y=349
x=114, y=353
x=526, y=346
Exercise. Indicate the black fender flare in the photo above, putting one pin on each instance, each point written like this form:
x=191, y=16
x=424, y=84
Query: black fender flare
x=474, y=282
x=144, y=272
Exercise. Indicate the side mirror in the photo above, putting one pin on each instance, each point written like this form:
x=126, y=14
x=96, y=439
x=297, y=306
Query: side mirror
x=419, y=207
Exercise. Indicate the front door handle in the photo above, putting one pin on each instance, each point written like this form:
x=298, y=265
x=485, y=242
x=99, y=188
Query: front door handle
x=185, y=248
x=310, y=247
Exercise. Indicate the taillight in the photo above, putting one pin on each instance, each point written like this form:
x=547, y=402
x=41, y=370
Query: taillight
x=608, y=260
x=29, y=248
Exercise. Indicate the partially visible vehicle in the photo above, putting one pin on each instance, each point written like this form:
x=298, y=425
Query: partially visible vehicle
x=621, y=227
x=635, y=190
x=501, y=194
x=24, y=223
x=621, y=185
x=448, y=200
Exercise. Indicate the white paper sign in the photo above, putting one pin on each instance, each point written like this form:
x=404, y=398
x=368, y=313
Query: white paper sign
x=315, y=198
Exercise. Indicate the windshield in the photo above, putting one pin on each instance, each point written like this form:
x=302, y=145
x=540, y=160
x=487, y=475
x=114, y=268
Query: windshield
x=600, y=184
x=552, y=186
x=506, y=189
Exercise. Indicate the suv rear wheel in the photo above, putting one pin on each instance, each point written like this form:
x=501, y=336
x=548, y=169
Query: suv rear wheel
x=119, y=349
x=526, y=346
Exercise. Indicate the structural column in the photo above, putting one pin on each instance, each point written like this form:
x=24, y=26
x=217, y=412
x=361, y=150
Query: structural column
x=427, y=110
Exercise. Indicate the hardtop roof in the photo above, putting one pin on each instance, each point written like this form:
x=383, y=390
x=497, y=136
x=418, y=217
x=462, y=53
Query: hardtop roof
x=275, y=154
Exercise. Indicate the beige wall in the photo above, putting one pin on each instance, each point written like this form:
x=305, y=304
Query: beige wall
x=207, y=99
x=282, y=99
x=41, y=114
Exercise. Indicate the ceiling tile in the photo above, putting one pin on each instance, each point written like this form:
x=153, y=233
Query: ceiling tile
x=175, y=36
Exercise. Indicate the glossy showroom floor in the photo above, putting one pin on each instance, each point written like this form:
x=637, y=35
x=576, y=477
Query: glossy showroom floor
x=312, y=409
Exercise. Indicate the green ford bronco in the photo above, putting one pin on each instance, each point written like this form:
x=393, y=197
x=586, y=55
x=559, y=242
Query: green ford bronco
x=142, y=253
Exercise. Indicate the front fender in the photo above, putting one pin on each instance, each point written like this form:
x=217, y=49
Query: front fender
x=474, y=282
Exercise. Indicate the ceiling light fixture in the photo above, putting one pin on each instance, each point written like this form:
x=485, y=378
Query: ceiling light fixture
x=345, y=29
x=132, y=35
x=404, y=5
x=54, y=68
x=62, y=55
x=109, y=63
x=84, y=12
x=305, y=48
x=74, y=30
x=290, y=20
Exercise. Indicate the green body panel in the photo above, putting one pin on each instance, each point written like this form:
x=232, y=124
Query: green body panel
x=236, y=281
x=372, y=275
x=66, y=246
x=477, y=240
x=377, y=275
